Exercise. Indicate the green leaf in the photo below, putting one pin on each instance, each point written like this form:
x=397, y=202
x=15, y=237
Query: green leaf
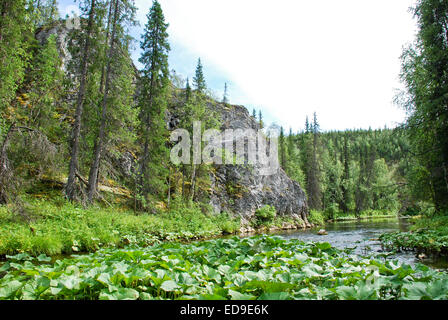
x=170, y=286
x=43, y=258
x=241, y=296
x=120, y=294
x=8, y=290
x=211, y=297
x=275, y=296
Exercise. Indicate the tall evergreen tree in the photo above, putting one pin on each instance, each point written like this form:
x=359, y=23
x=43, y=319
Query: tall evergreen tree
x=155, y=81
x=282, y=146
x=120, y=13
x=424, y=74
x=187, y=91
x=314, y=187
x=345, y=186
x=225, y=98
x=71, y=188
x=260, y=119
x=199, y=79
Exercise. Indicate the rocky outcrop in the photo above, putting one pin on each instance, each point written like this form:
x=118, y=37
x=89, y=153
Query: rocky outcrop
x=61, y=33
x=236, y=189
x=242, y=189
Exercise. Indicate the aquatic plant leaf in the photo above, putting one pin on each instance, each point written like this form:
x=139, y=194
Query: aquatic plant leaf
x=170, y=286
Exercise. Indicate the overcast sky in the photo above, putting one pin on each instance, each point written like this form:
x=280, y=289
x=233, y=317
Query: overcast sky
x=291, y=58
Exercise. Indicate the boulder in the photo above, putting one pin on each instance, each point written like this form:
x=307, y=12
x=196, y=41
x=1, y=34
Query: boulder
x=322, y=232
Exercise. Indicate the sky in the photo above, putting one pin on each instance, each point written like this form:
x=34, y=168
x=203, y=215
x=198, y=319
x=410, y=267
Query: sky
x=291, y=58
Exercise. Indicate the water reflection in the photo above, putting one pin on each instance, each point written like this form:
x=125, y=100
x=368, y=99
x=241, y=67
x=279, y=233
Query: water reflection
x=363, y=237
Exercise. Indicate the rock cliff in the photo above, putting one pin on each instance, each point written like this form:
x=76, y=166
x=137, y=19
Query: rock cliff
x=236, y=189
x=243, y=189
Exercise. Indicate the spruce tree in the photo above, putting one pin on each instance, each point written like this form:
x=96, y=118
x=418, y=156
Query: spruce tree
x=282, y=149
x=199, y=79
x=120, y=13
x=155, y=84
x=71, y=188
x=225, y=98
x=424, y=73
x=187, y=91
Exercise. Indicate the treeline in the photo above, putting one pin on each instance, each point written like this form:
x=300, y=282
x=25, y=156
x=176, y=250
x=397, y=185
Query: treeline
x=350, y=172
x=424, y=73
x=404, y=169
x=76, y=114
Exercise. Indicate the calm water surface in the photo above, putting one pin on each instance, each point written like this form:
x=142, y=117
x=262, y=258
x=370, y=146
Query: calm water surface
x=363, y=236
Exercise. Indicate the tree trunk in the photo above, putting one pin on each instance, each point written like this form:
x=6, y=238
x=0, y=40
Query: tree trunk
x=3, y=12
x=193, y=182
x=93, y=177
x=5, y=171
x=73, y=168
x=103, y=69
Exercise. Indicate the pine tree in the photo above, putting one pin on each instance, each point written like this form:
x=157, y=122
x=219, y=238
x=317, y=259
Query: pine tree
x=282, y=149
x=345, y=186
x=70, y=189
x=199, y=80
x=307, y=125
x=260, y=119
x=46, y=12
x=155, y=81
x=120, y=12
x=225, y=98
x=314, y=186
x=187, y=91
x=424, y=74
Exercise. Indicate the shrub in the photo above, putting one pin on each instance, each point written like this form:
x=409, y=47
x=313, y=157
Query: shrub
x=265, y=215
x=316, y=217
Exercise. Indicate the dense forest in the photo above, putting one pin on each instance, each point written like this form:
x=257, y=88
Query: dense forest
x=352, y=171
x=82, y=113
x=85, y=165
x=84, y=110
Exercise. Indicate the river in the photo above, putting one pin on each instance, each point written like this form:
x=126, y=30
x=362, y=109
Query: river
x=363, y=236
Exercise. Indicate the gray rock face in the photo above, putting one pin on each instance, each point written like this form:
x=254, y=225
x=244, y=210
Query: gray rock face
x=236, y=189
x=61, y=34
x=242, y=189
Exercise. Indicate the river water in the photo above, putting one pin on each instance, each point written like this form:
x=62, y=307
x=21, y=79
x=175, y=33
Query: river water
x=363, y=237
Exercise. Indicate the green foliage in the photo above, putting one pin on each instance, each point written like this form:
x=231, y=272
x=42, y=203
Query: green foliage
x=425, y=100
x=58, y=227
x=429, y=234
x=199, y=79
x=352, y=171
x=265, y=215
x=316, y=218
x=153, y=103
x=232, y=269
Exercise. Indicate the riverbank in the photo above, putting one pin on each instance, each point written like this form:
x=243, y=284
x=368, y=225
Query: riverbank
x=53, y=227
x=263, y=268
x=428, y=237
x=319, y=218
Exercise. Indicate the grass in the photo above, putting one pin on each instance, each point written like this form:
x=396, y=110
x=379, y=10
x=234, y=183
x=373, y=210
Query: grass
x=59, y=227
x=257, y=268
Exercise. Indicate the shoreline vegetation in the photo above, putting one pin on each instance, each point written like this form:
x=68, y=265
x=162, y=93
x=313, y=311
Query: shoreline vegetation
x=428, y=237
x=256, y=268
x=55, y=227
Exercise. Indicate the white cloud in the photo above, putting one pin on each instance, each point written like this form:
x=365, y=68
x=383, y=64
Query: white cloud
x=339, y=58
x=294, y=57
